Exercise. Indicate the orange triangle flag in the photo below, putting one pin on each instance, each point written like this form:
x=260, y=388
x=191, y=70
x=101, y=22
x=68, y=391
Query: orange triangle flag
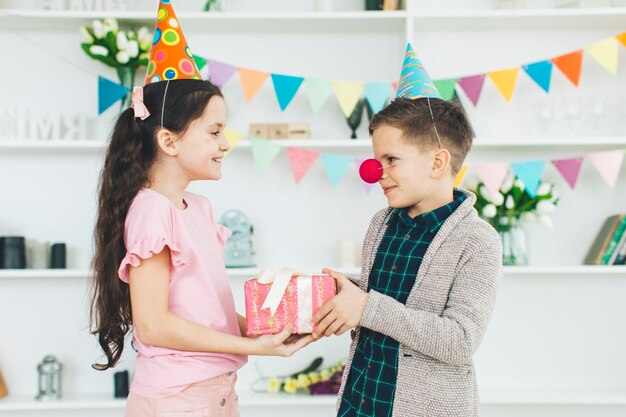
x=251, y=81
x=622, y=38
x=570, y=65
x=505, y=80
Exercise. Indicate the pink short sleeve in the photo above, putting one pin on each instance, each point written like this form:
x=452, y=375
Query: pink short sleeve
x=148, y=230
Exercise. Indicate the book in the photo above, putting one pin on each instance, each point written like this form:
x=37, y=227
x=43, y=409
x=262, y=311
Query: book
x=603, y=238
x=608, y=253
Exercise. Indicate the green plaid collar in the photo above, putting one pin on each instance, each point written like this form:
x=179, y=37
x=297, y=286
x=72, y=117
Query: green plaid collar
x=432, y=219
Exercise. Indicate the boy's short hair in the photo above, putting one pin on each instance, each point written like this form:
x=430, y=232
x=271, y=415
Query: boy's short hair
x=413, y=118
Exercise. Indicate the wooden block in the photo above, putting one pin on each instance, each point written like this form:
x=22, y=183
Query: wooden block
x=260, y=130
x=279, y=131
x=299, y=131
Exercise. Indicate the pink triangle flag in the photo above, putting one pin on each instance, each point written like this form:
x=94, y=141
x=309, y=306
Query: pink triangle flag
x=301, y=161
x=569, y=169
x=608, y=164
x=492, y=175
x=368, y=187
x=472, y=86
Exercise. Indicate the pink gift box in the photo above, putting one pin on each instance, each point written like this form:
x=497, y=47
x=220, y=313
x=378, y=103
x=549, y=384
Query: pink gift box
x=302, y=299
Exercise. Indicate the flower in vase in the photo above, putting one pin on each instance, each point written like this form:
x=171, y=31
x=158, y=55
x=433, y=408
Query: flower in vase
x=314, y=377
x=273, y=385
x=291, y=385
x=303, y=381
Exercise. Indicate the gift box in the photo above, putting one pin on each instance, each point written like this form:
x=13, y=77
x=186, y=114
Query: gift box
x=274, y=300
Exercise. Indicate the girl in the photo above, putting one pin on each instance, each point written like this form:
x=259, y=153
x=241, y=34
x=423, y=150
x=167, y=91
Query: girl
x=158, y=265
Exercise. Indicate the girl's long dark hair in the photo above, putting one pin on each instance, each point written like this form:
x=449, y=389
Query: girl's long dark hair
x=131, y=153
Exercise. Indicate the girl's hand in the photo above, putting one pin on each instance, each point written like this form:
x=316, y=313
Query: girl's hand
x=281, y=344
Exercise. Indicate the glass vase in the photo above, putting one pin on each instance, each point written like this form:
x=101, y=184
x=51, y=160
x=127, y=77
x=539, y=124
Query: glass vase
x=126, y=76
x=513, y=236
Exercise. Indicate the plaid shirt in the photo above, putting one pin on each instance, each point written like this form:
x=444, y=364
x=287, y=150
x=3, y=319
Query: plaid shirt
x=371, y=384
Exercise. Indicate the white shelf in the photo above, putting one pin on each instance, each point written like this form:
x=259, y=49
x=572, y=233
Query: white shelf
x=247, y=399
x=247, y=273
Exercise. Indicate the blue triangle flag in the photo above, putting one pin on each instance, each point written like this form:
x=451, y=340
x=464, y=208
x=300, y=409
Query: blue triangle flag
x=541, y=73
x=285, y=87
x=108, y=93
x=530, y=173
x=377, y=95
x=336, y=166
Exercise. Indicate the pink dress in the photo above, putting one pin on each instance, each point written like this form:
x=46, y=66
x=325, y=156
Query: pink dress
x=199, y=290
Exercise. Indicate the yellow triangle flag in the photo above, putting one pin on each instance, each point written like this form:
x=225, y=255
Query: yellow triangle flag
x=459, y=176
x=505, y=80
x=348, y=94
x=233, y=138
x=605, y=52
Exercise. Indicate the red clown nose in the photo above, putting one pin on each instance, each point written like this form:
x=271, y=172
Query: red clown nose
x=371, y=171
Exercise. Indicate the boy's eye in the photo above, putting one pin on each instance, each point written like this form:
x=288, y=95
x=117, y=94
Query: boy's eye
x=391, y=159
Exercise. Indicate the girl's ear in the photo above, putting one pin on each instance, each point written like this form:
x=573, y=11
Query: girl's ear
x=441, y=164
x=167, y=142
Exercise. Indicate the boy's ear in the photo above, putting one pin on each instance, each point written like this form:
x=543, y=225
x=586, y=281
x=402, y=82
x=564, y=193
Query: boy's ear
x=167, y=142
x=441, y=164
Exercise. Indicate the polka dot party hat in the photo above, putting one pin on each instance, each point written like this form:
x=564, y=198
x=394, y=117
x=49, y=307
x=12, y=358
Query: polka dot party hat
x=414, y=80
x=170, y=56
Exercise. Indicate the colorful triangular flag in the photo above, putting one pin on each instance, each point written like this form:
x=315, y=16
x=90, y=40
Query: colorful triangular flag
x=446, y=88
x=108, y=93
x=529, y=173
x=570, y=65
x=264, y=151
x=492, y=175
x=458, y=179
x=622, y=38
x=318, y=92
x=233, y=138
x=301, y=161
x=569, y=169
x=608, y=164
x=377, y=95
x=200, y=62
x=285, y=87
x=336, y=166
x=220, y=73
x=472, y=86
x=348, y=94
x=251, y=82
x=541, y=73
x=505, y=81
x=605, y=53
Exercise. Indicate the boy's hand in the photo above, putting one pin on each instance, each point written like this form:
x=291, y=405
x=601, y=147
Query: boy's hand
x=343, y=312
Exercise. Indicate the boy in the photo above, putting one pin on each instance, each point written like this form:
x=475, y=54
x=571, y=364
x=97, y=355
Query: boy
x=430, y=272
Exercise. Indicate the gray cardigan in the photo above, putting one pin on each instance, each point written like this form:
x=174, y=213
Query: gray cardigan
x=445, y=315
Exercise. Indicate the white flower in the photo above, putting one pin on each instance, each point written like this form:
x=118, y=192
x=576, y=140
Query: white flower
x=485, y=193
x=544, y=206
x=498, y=199
x=122, y=57
x=110, y=25
x=121, y=41
x=98, y=50
x=543, y=189
x=519, y=184
x=545, y=220
x=132, y=49
x=508, y=182
x=98, y=29
x=143, y=32
x=509, y=203
x=489, y=211
x=86, y=35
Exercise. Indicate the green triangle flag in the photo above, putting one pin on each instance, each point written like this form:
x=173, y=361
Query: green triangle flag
x=318, y=92
x=264, y=151
x=200, y=62
x=446, y=88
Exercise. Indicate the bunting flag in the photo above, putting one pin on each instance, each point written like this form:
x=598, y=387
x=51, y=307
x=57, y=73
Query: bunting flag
x=472, y=86
x=622, y=38
x=348, y=94
x=377, y=95
x=251, y=82
x=108, y=93
x=530, y=174
x=605, y=52
x=541, y=73
x=200, y=62
x=233, y=138
x=336, y=166
x=394, y=86
x=492, y=175
x=570, y=65
x=458, y=180
x=505, y=81
x=569, y=169
x=446, y=88
x=301, y=161
x=608, y=164
x=318, y=92
x=220, y=73
x=264, y=151
x=285, y=87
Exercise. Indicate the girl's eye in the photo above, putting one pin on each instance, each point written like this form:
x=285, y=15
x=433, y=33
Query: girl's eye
x=215, y=133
